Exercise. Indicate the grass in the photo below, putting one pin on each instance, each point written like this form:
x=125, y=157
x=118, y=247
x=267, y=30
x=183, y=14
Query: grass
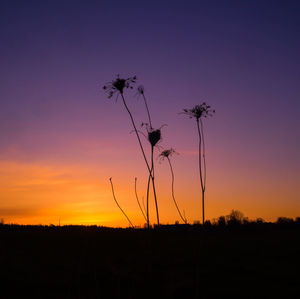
x=242, y=261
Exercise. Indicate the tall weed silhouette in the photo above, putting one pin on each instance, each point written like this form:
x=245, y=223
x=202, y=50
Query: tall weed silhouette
x=199, y=112
x=117, y=87
x=166, y=154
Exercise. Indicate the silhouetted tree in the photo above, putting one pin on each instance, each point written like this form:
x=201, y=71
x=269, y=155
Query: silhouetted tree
x=259, y=221
x=221, y=221
x=207, y=224
x=285, y=221
x=199, y=112
x=235, y=217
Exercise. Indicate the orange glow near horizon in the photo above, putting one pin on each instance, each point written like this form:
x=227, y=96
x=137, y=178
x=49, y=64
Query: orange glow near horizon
x=49, y=194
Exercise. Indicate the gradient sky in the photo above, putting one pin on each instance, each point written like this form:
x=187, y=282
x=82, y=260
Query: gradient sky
x=61, y=138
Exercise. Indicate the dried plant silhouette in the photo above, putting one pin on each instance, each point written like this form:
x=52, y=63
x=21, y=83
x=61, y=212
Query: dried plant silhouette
x=117, y=87
x=166, y=154
x=137, y=198
x=115, y=199
x=154, y=136
x=199, y=112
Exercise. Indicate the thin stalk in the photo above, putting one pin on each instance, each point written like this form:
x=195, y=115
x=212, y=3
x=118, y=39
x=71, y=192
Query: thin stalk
x=203, y=155
x=148, y=184
x=153, y=185
x=137, y=198
x=143, y=152
x=152, y=165
x=172, y=173
x=149, y=117
x=143, y=201
x=146, y=161
x=137, y=134
x=148, y=217
x=113, y=192
x=200, y=169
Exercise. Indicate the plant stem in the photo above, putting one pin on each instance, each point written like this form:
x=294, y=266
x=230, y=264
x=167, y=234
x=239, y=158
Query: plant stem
x=146, y=161
x=137, y=134
x=148, y=217
x=149, y=117
x=137, y=198
x=153, y=185
x=152, y=164
x=203, y=155
x=144, y=205
x=113, y=192
x=200, y=169
x=172, y=173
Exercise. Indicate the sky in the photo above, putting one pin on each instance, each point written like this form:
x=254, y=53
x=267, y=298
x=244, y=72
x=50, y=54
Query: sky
x=61, y=138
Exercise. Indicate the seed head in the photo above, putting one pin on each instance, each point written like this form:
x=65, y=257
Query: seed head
x=118, y=85
x=198, y=111
x=154, y=135
x=167, y=153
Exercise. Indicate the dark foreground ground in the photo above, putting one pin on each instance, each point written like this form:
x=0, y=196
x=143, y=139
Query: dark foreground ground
x=88, y=262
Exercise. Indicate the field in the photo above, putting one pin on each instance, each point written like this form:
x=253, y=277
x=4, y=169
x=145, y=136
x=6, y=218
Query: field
x=244, y=261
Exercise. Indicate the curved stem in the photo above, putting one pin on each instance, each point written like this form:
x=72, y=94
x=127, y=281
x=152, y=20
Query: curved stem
x=200, y=169
x=113, y=192
x=137, y=198
x=172, y=173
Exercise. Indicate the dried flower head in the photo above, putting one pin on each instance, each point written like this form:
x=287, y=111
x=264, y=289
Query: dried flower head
x=154, y=135
x=167, y=153
x=118, y=85
x=198, y=111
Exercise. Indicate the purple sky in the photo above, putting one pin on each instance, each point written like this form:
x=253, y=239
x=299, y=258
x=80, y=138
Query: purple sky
x=242, y=57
